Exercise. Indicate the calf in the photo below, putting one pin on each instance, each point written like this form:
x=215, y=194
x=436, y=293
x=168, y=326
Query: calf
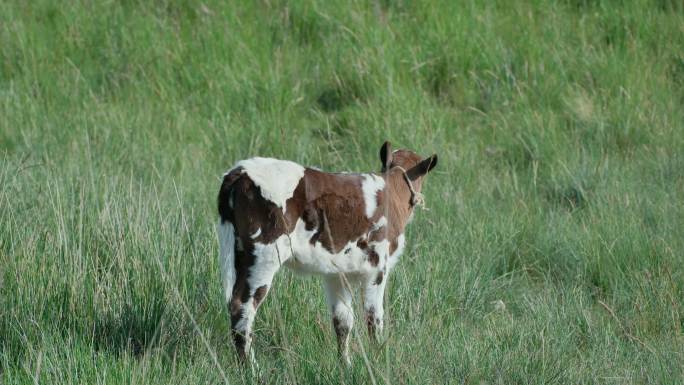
x=346, y=227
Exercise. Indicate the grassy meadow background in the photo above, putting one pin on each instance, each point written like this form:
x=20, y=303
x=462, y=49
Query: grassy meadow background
x=552, y=252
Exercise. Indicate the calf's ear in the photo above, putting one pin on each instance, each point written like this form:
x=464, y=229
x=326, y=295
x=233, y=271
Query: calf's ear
x=386, y=156
x=422, y=168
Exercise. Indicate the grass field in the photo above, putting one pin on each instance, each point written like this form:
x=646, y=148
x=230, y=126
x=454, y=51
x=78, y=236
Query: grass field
x=552, y=252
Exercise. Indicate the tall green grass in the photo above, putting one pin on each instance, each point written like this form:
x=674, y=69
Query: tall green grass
x=551, y=253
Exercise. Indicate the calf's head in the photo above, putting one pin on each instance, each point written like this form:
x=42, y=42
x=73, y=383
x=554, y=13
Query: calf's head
x=406, y=164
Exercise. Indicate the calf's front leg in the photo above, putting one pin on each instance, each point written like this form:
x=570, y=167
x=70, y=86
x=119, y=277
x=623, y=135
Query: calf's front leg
x=340, y=300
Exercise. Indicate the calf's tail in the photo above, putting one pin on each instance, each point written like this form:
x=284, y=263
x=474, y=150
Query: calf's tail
x=226, y=232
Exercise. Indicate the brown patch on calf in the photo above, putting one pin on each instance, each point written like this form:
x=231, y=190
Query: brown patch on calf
x=341, y=331
x=379, y=277
x=333, y=204
x=235, y=308
x=399, y=203
x=243, y=261
x=310, y=218
x=370, y=317
x=323, y=230
x=394, y=243
x=259, y=295
x=373, y=257
x=372, y=323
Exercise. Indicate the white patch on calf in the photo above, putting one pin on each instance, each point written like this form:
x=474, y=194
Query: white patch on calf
x=370, y=186
x=268, y=259
x=381, y=247
x=256, y=234
x=319, y=260
x=277, y=179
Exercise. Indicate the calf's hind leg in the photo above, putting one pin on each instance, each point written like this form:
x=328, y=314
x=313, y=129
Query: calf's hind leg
x=251, y=286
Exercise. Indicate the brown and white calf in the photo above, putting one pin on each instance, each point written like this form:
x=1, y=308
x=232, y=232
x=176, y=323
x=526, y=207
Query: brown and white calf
x=346, y=227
